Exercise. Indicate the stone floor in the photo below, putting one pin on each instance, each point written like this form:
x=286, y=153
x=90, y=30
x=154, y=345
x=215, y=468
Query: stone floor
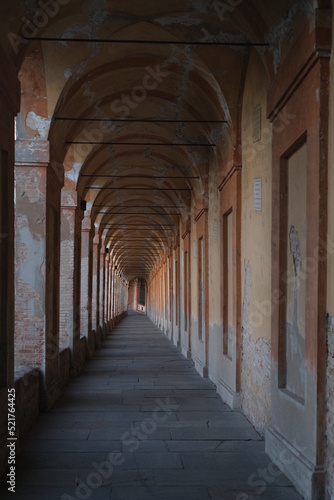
x=140, y=423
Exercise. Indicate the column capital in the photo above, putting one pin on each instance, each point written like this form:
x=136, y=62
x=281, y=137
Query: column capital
x=32, y=153
x=29, y=152
x=87, y=224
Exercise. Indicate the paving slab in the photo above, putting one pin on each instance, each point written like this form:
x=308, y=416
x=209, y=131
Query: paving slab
x=71, y=445
x=158, y=460
x=140, y=423
x=131, y=476
x=60, y=459
x=156, y=492
x=214, y=433
x=192, y=445
x=58, y=493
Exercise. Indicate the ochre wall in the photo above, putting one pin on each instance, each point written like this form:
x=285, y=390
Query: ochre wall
x=256, y=251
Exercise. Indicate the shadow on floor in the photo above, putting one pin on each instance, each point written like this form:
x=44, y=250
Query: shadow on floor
x=140, y=423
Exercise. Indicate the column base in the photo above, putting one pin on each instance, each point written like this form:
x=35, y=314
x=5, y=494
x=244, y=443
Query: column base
x=201, y=368
x=186, y=352
x=50, y=395
x=309, y=479
x=230, y=397
x=177, y=343
x=90, y=346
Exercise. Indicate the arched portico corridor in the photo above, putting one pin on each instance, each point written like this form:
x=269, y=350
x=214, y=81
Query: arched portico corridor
x=173, y=158
x=140, y=423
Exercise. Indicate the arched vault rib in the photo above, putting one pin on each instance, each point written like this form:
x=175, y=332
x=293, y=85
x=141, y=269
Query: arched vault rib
x=159, y=159
x=162, y=145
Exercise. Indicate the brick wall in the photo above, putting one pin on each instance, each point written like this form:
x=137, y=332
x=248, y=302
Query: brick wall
x=95, y=282
x=30, y=235
x=86, y=277
x=66, y=293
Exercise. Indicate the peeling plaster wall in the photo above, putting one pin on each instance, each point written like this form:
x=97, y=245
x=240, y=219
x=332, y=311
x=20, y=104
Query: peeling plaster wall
x=38, y=123
x=37, y=264
x=255, y=378
x=66, y=314
x=256, y=253
x=30, y=266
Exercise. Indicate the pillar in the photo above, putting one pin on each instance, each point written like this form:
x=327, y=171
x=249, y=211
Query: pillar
x=70, y=270
x=136, y=297
x=86, y=278
x=186, y=331
x=171, y=293
x=176, y=305
x=112, y=295
x=200, y=323
x=96, y=282
x=102, y=286
x=106, y=288
x=229, y=379
x=9, y=106
x=115, y=293
x=37, y=220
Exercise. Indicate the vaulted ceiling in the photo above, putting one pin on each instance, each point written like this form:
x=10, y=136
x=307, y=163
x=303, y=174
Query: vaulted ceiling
x=141, y=101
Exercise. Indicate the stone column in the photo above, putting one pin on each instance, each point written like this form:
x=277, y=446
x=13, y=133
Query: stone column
x=70, y=269
x=136, y=299
x=37, y=221
x=155, y=298
x=102, y=287
x=115, y=293
x=171, y=293
x=106, y=292
x=111, y=289
x=86, y=277
x=95, y=284
x=9, y=106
